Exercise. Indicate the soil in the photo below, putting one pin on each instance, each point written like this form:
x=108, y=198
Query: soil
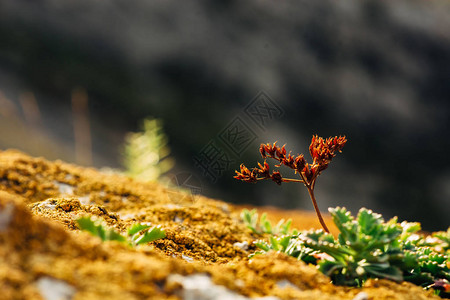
x=43, y=255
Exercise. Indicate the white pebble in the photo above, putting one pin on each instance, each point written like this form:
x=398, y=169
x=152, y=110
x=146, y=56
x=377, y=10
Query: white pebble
x=55, y=289
x=361, y=296
x=6, y=215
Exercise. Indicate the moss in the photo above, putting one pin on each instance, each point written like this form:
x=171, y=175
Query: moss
x=39, y=239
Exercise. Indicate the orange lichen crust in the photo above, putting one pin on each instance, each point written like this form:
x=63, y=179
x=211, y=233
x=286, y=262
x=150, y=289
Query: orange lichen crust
x=39, y=241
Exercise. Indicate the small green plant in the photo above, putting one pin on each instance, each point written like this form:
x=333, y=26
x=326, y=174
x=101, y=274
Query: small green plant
x=136, y=235
x=250, y=219
x=288, y=244
x=369, y=247
x=322, y=152
x=366, y=247
x=142, y=234
x=146, y=153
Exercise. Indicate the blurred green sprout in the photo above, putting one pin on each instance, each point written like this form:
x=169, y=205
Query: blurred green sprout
x=146, y=153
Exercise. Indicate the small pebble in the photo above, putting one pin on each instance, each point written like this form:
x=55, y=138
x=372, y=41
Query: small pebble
x=187, y=258
x=361, y=296
x=178, y=219
x=55, y=289
x=282, y=284
x=6, y=215
x=243, y=245
x=200, y=287
x=64, y=189
x=85, y=200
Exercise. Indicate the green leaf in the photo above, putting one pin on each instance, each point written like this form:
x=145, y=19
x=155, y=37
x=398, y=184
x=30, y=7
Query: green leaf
x=283, y=228
x=93, y=227
x=274, y=244
x=329, y=267
x=112, y=235
x=96, y=228
x=261, y=244
x=136, y=228
x=250, y=219
x=284, y=241
x=246, y=216
x=150, y=235
x=443, y=235
x=384, y=270
x=315, y=235
x=326, y=237
x=410, y=227
x=431, y=267
x=369, y=221
x=267, y=227
x=345, y=223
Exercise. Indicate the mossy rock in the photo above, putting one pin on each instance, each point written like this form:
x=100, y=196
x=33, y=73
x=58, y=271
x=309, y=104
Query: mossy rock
x=43, y=255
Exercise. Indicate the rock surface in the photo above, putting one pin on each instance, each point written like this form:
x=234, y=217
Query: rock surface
x=44, y=256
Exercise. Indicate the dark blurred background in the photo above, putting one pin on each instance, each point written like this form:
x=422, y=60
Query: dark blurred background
x=226, y=76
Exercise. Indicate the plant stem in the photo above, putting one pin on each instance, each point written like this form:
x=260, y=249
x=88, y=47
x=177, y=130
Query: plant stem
x=316, y=208
x=291, y=180
x=310, y=187
x=283, y=179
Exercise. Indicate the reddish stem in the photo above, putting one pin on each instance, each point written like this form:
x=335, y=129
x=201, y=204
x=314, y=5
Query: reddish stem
x=310, y=187
x=316, y=208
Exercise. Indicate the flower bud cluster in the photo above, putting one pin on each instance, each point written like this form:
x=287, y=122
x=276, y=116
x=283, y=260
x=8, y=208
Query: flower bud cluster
x=261, y=172
x=322, y=151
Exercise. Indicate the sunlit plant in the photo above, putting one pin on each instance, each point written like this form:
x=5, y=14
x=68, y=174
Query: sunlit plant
x=322, y=152
x=366, y=247
x=136, y=235
x=369, y=247
x=146, y=153
x=263, y=225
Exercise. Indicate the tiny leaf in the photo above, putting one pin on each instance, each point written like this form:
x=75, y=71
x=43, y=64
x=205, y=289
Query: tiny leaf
x=150, y=235
x=136, y=228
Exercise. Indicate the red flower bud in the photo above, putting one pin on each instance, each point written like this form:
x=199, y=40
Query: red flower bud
x=276, y=177
x=262, y=151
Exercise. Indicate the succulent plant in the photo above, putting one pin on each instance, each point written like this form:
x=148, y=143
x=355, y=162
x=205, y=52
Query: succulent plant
x=368, y=247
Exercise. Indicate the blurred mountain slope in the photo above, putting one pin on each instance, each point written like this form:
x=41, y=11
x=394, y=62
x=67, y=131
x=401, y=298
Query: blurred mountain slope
x=375, y=71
